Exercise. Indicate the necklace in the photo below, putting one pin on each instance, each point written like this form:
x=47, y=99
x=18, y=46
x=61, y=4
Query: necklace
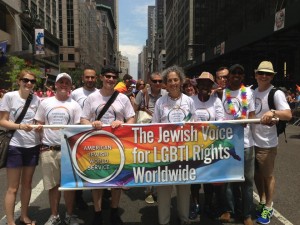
x=175, y=106
x=244, y=103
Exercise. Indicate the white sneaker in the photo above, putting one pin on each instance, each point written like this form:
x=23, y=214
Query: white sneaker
x=71, y=220
x=53, y=220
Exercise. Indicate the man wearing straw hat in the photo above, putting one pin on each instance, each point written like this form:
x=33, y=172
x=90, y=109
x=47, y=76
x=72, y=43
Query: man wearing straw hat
x=265, y=137
x=238, y=103
x=60, y=109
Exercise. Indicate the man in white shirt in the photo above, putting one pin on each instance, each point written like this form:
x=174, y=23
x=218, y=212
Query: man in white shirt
x=60, y=109
x=265, y=137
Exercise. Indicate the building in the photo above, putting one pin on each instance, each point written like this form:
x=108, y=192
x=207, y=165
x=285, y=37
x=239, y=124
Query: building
x=18, y=21
x=198, y=37
x=87, y=34
x=124, y=66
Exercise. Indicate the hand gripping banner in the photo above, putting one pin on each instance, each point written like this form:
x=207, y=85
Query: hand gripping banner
x=152, y=154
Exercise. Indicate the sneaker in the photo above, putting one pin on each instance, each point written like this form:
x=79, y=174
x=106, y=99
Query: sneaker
x=265, y=216
x=149, y=199
x=195, y=211
x=259, y=208
x=53, y=220
x=71, y=220
x=115, y=219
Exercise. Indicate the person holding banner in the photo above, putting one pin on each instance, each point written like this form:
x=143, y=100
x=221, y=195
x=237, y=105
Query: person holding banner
x=266, y=140
x=89, y=79
x=60, y=109
x=238, y=103
x=24, y=147
x=145, y=101
x=119, y=111
x=208, y=107
x=175, y=107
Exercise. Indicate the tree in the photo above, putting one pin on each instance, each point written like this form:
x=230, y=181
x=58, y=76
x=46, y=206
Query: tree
x=15, y=66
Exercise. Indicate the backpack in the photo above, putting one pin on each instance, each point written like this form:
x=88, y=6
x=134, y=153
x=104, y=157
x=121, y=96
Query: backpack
x=281, y=124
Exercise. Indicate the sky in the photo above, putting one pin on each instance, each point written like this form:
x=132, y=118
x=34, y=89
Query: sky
x=133, y=32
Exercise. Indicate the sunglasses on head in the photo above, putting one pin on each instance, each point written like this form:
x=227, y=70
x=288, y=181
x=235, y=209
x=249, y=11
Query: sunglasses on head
x=237, y=72
x=111, y=76
x=26, y=80
x=157, y=81
x=264, y=73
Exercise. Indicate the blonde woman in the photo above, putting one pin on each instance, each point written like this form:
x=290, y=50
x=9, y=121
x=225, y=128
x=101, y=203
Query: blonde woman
x=23, y=153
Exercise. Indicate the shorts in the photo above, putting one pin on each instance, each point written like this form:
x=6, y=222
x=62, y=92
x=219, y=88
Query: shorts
x=20, y=157
x=50, y=161
x=265, y=160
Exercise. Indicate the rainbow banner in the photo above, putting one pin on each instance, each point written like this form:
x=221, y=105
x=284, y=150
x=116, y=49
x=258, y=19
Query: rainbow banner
x=154, y=154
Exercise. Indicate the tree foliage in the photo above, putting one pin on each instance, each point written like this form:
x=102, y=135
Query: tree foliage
x=15, y=66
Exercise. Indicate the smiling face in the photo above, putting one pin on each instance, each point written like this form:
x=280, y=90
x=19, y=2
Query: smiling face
x=264, y=78
x=63, y=86
x=109, y=80
x=173, y=83
x=235, y=78
x=26, y=81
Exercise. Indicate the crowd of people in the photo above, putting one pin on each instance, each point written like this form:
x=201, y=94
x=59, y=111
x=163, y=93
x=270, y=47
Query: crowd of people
x=168, y=97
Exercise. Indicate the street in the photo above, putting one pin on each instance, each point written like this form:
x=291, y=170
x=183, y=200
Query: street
x=134, y=210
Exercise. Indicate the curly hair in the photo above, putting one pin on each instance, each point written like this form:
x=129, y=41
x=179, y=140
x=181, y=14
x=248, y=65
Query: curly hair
x=178, y=70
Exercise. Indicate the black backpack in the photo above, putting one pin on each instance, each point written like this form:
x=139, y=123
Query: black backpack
x=281, y=124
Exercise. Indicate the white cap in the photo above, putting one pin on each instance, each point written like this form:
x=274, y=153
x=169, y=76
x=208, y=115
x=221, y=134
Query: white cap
x=61, y=75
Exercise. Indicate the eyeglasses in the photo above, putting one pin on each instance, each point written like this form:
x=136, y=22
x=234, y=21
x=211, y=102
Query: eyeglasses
x=110, y=76
x=237, y=72
x=222, y=78
x=157, y=81
x=261, y=73
x=26, y=80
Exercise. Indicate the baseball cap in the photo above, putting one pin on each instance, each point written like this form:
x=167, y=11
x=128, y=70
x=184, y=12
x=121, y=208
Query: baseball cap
x=236, y=66
x=63, y=75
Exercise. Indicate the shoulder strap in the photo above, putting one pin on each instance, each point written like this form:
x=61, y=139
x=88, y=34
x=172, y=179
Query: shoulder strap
x=271, y=98
x=108, y=104
x=27, y=103
x=22, y=114
x=146, y=98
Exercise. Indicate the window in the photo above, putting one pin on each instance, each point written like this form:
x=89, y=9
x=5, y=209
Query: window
x=71, y=57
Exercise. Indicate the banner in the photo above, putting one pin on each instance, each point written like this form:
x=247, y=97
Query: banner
x=152, y=154
x=39, y=42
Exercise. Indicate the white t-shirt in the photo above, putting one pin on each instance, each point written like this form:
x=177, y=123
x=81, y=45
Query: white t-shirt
x=55, y=112
x=120, y=109
x=173, y=111
x=210, y=110
x=13, y=103
x=80, y=95
x=236, y=99
x=266, y=136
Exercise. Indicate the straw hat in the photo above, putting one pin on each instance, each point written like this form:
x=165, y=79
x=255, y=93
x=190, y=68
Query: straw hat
x=265, y=66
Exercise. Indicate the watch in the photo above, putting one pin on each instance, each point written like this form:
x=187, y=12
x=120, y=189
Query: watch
x=273, y=111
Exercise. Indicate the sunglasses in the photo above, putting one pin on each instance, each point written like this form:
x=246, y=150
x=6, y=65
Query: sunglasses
x=26, y=80
x=111, y=76
x=157, y=81
x=261, y=73
x=222, y=78
x=237, y=72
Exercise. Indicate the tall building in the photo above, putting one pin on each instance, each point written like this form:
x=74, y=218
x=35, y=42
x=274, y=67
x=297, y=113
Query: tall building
x=204, y=35
x=159, y=43
x=151, y=35
x=18, y=21
x=124, y=66
x=88, y=34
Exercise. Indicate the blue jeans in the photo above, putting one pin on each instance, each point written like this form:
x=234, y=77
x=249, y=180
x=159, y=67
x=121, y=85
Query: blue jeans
x=239, y=196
